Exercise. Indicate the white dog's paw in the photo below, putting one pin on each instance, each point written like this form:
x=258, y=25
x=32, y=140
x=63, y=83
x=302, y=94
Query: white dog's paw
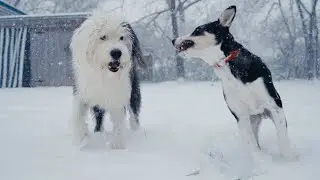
x=81, y=141
x=286, y=152
x=95, y=141
x=117, y=144
x=134, y=125
x=290, y=155
x=80, y=136
x=261, y=158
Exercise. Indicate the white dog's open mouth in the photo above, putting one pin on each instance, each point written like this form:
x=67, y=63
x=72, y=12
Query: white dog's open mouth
x=114, y=66
x=184, y=45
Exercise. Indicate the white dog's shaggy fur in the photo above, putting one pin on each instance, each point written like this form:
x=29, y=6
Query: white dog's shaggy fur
x=105, y=54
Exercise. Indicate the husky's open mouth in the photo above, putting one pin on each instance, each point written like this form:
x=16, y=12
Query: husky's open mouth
x=184, y=45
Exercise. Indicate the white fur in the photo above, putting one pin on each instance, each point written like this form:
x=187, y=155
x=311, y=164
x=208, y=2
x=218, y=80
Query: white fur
x=205, y=53
x=96, y=85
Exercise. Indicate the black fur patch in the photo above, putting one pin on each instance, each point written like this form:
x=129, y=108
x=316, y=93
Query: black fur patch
x=99, y=115
x=137, y=59
x=213, y=28
x=248, y=67
x=137, y=56
x=135, y=99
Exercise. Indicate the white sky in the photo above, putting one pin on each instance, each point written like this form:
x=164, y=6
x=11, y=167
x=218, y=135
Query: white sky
x=135, y=9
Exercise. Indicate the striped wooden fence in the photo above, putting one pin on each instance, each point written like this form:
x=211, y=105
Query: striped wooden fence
x=12, y=51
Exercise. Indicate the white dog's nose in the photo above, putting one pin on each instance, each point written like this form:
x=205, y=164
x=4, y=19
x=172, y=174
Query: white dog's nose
x=115, y=54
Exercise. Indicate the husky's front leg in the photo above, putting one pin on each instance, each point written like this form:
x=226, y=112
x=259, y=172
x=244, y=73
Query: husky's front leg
x=117, y=116
x=223, y=72
x=280, y=123
x=247, y=134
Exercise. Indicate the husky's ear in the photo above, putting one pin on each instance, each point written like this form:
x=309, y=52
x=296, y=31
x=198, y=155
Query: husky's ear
x=227, y=16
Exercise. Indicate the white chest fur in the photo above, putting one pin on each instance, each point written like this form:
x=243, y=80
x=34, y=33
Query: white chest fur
x=250, y=98
x=107, y=89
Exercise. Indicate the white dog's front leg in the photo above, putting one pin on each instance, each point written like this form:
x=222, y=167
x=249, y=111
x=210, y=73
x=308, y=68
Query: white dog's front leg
x=77, y=122
x=117, y=116
x=133, y=120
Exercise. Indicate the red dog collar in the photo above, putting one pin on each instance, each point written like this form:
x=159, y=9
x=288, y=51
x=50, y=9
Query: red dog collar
x=229, y=58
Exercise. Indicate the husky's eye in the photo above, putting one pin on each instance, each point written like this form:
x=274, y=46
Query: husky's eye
x=197, y=32
x=121, y=38
x=104, y=37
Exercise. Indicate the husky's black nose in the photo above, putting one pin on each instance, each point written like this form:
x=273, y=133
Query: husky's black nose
x=115, y=54
x=173, y=41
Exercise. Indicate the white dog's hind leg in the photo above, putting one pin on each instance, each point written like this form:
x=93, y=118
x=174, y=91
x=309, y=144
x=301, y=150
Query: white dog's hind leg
x=133, y=120
x=77, y=122
x=280, y=123
x=117, y=116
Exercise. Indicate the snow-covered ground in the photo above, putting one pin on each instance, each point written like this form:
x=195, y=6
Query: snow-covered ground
x=186, y=128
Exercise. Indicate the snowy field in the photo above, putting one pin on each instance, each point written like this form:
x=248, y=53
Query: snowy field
x=187, y=129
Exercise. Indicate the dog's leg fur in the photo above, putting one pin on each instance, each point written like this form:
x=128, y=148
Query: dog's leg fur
x=117, y=116
x=256, y=122
x=133, y=119
x=99, y=115
x=77, y=121
x=135, y=101
x=280, y=122
x=247, y=134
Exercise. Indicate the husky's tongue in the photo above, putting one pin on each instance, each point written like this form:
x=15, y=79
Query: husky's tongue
x=180, y=48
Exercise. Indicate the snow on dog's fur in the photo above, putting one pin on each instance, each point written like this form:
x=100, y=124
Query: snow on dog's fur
x=105, y=55
x=247, y=83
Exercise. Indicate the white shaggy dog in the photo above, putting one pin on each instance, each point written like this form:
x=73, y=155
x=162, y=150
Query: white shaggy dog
x=105, y=55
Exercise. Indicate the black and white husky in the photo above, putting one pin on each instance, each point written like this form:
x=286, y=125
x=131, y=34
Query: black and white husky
x=246, y=81
x=105, y=55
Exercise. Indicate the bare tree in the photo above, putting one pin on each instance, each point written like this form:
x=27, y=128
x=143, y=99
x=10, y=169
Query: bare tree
x=288, y=50
x=297, y=22
x=311, y=36
x=60, y=6
x=176, y=9
x=175, y=33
